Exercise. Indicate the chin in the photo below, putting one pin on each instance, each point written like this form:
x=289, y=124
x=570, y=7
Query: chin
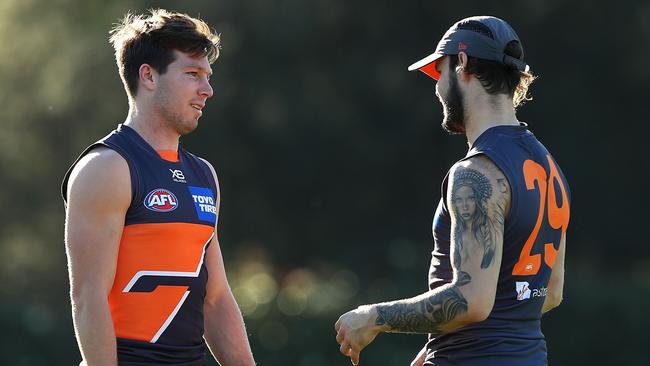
x=187, y=127
x=453, y=128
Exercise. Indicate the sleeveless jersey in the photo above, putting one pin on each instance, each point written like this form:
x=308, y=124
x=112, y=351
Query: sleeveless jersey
x=538, y=219
x=156, y=301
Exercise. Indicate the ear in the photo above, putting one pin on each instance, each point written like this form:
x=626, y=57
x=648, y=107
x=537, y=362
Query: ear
x=148, y=77
x=462, y=65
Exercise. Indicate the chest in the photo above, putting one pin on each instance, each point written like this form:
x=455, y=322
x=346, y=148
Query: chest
x=173, y=192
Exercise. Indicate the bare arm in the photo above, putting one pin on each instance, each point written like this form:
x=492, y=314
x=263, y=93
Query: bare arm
x=225, y=332
x=478, y=196
x=556, y=282
x=420, y=357
x=99, y=193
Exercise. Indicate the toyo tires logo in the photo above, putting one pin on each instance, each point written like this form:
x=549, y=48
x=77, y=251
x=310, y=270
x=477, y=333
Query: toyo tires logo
x=161, y=200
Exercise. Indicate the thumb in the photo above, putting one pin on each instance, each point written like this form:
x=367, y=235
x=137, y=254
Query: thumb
x=354, y=356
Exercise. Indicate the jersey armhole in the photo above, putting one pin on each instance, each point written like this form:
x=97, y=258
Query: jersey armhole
x=136, y=188
x=209, y=172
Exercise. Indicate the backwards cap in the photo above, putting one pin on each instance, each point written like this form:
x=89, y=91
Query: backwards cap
x=483, y=37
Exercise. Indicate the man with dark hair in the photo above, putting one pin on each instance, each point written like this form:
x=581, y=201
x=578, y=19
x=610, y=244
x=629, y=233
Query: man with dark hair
x=141, y=213
x=500, y=227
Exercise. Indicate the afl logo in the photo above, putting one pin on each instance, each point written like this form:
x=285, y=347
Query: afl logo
x=161, y=200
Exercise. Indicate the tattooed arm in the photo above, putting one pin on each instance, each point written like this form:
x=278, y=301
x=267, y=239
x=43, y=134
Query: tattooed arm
x=478, y=199
x=477, y=196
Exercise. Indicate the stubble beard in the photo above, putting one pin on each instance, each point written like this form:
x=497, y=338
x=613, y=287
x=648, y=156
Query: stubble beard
x=175, y=120
x=452, y=108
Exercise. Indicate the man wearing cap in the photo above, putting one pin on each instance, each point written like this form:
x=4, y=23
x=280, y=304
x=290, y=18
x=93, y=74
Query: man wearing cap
x=500, y=227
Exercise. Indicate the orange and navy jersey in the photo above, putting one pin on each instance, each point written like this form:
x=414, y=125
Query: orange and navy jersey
x=156, y=301
x=534, y=228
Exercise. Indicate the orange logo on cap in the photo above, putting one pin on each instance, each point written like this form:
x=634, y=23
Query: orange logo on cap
x=462, y=46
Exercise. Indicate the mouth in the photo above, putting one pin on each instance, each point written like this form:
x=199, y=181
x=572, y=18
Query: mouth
x=198, y=108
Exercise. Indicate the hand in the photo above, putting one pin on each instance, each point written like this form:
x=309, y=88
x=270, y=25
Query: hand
x=355, y=330
x=419, y=359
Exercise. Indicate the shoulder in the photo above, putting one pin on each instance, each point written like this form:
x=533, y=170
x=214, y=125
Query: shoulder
x=484, y=177
x=101, y=169
x=211, y=168
x=478, y=163
x=100, y=161
x=479, y=167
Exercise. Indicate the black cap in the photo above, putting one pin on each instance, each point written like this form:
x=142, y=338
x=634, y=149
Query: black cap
x=483, y=37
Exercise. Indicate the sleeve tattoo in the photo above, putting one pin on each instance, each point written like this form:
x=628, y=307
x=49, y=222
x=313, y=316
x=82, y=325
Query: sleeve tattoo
x=425, y=315
x=471, y=191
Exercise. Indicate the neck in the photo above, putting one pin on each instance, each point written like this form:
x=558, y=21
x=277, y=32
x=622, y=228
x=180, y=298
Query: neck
x=484, y=111
x=151, y=127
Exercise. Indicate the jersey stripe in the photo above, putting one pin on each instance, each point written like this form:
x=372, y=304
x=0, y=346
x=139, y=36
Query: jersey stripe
x=170, y=318
x=169, y=273
x=148, y=252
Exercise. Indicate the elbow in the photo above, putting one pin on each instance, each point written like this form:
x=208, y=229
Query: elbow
x=554, y=300
x=478, y=314
x=218, y=303
x=86, y=296
x=77, y=297
x=78, y=303
x=479, y=309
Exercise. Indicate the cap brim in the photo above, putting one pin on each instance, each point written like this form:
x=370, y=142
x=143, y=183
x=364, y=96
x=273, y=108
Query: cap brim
x=428, y=65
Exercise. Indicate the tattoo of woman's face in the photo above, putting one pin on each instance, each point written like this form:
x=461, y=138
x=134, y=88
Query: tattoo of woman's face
x=465, y=203
x=470, y=193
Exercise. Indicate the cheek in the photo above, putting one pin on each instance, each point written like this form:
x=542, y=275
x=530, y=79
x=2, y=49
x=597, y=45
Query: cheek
x=439, y=91
x=442, y=87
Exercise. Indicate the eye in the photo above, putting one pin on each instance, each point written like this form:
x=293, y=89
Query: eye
x=193, y=74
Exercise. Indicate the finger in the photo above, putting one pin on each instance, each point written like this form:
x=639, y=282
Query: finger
x=354, y=356
x=340, y=337
x=337, y=325
x=345, y=348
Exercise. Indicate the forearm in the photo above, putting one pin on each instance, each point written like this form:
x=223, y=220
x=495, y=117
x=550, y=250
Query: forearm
x=225, y=332
x=94, y=331
x=434, y=312
x=548, y=306
x=555, y=287
x=551, y=302
x=421, y=357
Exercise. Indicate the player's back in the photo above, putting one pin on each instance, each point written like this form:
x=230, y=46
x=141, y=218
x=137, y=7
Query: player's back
x=534, y=227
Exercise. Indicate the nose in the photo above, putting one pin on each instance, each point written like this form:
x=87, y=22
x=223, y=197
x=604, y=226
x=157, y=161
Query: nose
x=206, y=89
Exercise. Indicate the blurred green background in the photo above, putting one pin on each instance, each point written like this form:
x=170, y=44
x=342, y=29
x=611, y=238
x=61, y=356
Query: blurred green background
x=330, y=158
